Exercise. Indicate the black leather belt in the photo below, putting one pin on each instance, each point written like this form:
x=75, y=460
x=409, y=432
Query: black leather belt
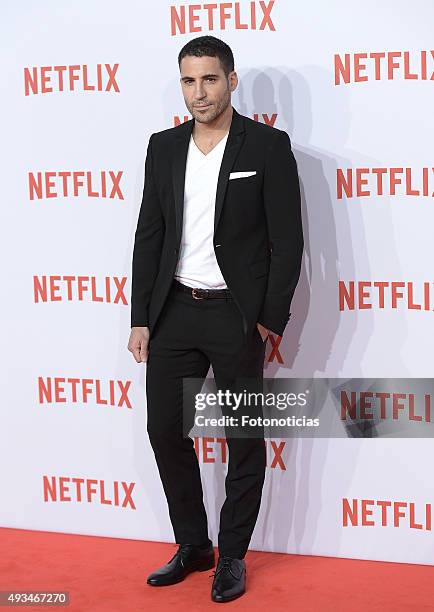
x=198, y=293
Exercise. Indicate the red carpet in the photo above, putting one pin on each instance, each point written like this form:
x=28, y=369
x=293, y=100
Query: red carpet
x=108, y=574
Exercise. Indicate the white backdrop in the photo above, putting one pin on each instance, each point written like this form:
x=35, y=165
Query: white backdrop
x=287, y=69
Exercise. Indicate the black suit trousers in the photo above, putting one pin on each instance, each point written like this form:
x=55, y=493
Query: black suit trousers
x=191, y=335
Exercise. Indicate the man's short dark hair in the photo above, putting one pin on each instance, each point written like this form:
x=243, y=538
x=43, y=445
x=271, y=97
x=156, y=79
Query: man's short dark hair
x=211, y=47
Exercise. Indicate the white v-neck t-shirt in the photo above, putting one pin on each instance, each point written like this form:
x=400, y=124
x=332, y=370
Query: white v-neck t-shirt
x=197, y=265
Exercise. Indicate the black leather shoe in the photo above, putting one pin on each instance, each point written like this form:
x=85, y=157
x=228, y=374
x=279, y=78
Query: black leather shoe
x=187, y=559
x=229, y=579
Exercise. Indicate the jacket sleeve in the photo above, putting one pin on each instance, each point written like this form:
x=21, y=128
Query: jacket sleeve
x=282, y=203
x=147, y=246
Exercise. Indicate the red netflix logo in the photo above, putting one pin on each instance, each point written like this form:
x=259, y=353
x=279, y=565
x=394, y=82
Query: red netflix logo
x=368, y=405
x=264, y=117
x=242, y=16
x=382, y=513
x=61, y=390
x=48, y=79
x=214, y=450
x=383, y=65
x=105, y=184
x=78, y=490
x=362, y=295
x=364, y=182
x=75, y=288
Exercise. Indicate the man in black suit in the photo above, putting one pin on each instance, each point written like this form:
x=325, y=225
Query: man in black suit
x=217, y=257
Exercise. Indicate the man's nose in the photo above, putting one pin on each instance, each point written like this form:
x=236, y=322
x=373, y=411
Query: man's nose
x=199, y=93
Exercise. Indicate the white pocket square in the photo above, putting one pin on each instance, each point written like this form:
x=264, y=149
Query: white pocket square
x=244, y=173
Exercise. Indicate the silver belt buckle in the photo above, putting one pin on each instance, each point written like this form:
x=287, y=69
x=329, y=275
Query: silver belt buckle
x=195, y=296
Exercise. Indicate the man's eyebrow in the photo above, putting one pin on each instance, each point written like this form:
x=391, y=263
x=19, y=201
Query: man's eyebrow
x=205, y=76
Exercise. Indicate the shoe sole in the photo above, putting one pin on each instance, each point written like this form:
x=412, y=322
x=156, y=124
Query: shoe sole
x=201, y=567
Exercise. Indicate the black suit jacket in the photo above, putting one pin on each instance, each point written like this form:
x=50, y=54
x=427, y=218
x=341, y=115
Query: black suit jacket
x=258, y=237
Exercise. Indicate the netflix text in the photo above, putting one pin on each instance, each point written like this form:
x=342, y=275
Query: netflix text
x=61, y=390
x=188, y=18
x=369, y=405
x=263, y=117
x=71, y=288
x=385, y=513
x=383, y=65
x=89, y=490
x=366, y=182
x=75, y=183
x=49, y=79
x=403, y=295
x=214, y=450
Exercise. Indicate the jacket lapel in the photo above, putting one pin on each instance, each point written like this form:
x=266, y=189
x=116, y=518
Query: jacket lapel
x=182, y=140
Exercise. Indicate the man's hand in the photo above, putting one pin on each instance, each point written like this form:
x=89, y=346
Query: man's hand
x=138, y=343
x=263, y=331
